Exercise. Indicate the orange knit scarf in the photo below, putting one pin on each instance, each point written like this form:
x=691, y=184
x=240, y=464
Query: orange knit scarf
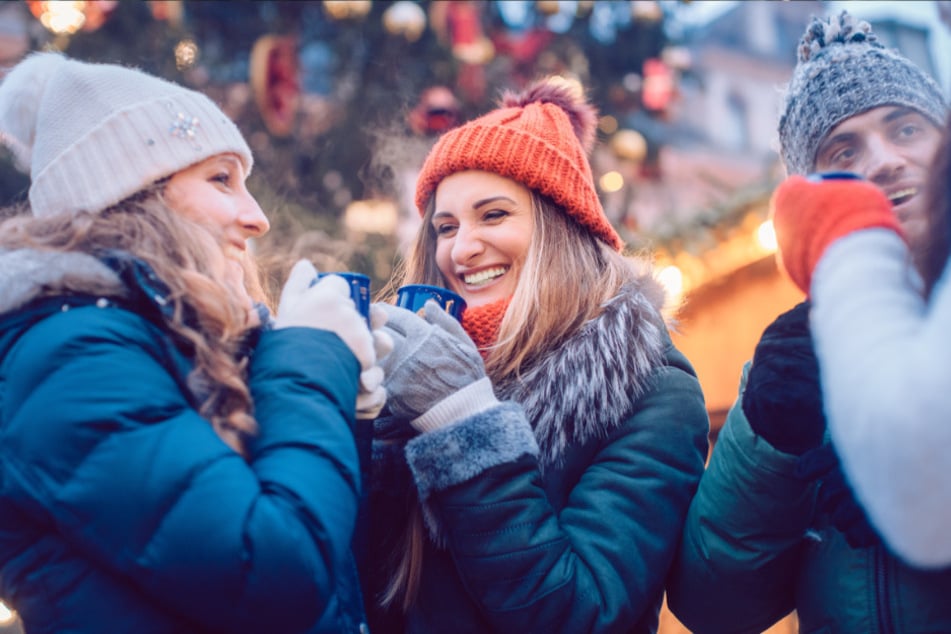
x=482, y=323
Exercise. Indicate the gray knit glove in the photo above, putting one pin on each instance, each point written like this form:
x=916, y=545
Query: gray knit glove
x=433, y=363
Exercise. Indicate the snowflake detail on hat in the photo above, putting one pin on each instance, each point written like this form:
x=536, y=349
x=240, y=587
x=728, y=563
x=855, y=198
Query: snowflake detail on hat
x=184, y=127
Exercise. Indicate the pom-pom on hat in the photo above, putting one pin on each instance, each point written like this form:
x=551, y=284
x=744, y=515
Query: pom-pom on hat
x=843, y=70
x=540, y=138
x=94, y=134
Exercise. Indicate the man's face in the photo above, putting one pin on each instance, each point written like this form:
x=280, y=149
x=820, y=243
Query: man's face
x=891, y=146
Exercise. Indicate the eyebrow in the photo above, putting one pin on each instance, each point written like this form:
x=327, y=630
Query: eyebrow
x=898, y=113
x=478, y=204
x=231, y=159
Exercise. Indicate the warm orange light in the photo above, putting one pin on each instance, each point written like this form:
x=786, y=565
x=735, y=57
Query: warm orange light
x=766, y=236
x=611, y=182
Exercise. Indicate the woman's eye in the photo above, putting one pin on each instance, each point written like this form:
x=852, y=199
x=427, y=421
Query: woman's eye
x=495, y=214
x=446, y=229
x=223, y=177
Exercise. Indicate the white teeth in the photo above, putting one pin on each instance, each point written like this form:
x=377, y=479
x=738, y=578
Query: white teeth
x=902, y=193
x=484, y=276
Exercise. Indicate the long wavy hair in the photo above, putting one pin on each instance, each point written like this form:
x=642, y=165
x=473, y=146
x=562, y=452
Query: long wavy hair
x=567, y=276
x=932, y=257
x=207, y=316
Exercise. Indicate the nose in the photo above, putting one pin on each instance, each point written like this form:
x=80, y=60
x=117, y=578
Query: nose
x=883, y=161
x=467, y=244
x=251, y=217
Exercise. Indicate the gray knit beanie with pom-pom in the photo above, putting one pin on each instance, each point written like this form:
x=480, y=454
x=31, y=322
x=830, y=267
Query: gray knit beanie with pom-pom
x=843, y=70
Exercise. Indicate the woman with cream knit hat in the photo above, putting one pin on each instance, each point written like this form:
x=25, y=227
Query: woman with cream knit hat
x=172, y=459
x=534, y=464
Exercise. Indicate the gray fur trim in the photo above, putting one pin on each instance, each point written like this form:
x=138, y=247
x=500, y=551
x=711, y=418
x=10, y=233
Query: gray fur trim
x=26, y=274
x=587, y=386
x=459, y=452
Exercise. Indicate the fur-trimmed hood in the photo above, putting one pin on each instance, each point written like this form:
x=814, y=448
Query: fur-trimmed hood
x=27, y=274
x=585, y=387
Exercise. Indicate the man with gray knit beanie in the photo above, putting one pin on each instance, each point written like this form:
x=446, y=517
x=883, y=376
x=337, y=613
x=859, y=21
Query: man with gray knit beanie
x=854, y=105
x=774, y=526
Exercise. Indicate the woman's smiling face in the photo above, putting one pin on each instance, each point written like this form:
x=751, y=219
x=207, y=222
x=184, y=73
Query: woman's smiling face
x=483, y=225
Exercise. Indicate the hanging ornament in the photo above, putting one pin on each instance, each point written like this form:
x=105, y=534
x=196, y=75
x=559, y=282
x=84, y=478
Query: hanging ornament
x=274, y=82
x=405, y=18
x=629, y=145
x=436, y=112
x=468, y=41
x=658, y=89
x=347, y=9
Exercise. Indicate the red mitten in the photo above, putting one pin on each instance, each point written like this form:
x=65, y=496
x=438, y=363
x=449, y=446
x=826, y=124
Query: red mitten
x=809, y=215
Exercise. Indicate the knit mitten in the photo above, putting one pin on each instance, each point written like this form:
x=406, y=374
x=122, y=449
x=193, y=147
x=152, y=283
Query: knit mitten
x=433, y=363
x=809, y=215
x=325, y=306
x=782, y=399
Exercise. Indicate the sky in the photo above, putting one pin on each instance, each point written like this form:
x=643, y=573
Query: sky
x=920, y=13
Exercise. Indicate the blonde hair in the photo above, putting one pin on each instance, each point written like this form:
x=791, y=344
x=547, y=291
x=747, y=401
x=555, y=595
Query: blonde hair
x=206, y=314
x=567, y=276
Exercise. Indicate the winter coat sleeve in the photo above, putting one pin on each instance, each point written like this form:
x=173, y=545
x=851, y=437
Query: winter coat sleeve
x=736, y=566
x=884, y=359
x=102, y=445
x=596, y=565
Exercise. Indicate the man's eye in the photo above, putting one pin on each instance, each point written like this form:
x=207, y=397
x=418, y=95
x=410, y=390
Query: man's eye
x=842, y=156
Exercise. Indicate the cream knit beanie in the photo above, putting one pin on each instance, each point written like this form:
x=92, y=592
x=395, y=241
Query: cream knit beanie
x=91, y=135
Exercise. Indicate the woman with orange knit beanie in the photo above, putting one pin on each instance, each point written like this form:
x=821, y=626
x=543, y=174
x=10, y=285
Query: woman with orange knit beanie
x=534, y=464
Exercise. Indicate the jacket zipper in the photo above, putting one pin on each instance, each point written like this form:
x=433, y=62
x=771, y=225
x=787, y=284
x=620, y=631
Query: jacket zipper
x=883, y=609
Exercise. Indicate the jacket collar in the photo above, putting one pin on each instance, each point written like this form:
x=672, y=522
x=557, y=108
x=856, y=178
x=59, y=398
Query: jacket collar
x=28, y=274
x=587, y=386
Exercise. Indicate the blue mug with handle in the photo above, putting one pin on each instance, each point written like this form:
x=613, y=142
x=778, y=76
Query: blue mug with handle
x=414, y=296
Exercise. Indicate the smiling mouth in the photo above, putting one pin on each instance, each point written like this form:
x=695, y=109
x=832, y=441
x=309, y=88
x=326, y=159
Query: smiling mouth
x=902, y=195
x=233, y=252
x=483, y=277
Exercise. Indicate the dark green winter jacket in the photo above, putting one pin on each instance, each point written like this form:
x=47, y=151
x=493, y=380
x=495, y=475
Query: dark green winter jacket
x=559, y=510
x=756, y=547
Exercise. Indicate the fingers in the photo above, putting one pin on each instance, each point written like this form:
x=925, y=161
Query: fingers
x=383, y=343
x=371, y=379
x=402, y=321
x=369, y=404
x=378, y=316
x=334, y=284
x=300, y=277
x=435, y=315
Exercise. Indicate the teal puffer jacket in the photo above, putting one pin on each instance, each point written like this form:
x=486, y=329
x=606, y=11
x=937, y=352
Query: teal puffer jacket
x=755, y=548
x=121, y=510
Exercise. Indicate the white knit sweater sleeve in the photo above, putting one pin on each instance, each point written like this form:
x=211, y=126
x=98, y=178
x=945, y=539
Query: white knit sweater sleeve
x=885, y=362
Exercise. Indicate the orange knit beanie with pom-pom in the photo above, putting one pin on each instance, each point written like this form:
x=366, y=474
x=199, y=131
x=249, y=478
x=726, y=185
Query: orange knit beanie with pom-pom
x=540, y=138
